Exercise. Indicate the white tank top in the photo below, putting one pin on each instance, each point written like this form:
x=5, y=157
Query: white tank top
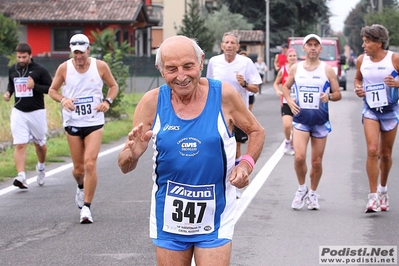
x=378, y=94
x=86, y=88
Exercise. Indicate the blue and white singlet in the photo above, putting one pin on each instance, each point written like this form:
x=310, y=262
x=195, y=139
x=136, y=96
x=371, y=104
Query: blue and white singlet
x=379, y=97
x=192, y=198
x=308, y=88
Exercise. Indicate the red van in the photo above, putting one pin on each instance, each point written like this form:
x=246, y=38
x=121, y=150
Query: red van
x=330, y=54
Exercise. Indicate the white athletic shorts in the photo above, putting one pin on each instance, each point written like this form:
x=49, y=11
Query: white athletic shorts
x=29, y=126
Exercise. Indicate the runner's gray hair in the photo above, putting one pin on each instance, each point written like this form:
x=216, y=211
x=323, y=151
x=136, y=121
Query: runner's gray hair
x=376, y=33
x=158, y=56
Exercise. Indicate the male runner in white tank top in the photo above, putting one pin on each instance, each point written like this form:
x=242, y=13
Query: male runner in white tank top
x=377, y=82
x=315, y=84
x=83, y=109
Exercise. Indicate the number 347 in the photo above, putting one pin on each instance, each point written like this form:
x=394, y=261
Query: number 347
x=188, y=211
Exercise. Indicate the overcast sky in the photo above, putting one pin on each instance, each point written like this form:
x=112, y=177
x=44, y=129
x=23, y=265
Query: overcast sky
x=340, y=10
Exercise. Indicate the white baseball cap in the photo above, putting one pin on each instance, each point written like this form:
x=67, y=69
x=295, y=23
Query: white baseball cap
x=79, y=42
x=311, y=36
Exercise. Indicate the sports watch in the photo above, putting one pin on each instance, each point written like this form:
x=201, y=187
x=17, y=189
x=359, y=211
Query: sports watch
x=109, y=100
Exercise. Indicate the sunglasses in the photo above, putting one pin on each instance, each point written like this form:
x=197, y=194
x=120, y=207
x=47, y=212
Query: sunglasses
x=78, y=43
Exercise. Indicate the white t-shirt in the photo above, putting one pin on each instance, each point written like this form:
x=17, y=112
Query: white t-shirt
x=219, y=68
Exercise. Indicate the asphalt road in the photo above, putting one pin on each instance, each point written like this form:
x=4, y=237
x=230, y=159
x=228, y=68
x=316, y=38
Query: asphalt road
x=40, y=226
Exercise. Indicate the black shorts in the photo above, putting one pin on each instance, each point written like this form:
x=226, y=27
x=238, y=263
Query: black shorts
x=240, y=135
x=81, y=132
x=251, y=99
x=286, y=110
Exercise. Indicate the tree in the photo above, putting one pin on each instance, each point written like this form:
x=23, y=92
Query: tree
x=286, y=18
x=8, y=38
x=107, y=48
x=225, y=21
x=352, y=26
x=193, y=26
x=390, y=19
x=105, y=42
x=363, y=14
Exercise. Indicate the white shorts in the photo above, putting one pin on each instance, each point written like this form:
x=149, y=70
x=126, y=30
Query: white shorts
x=29, y=126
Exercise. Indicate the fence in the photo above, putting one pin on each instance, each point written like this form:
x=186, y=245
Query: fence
x=143, y=74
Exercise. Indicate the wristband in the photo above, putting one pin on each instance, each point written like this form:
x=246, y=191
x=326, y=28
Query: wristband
x=63, y=99
x=248, y=159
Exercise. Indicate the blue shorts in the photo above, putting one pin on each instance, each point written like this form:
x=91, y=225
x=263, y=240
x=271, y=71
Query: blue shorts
x=180, y=246
x=388, y=120
x=316, y=131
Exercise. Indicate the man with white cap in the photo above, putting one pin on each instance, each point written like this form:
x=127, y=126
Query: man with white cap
x=315, y=84
x=83, y=109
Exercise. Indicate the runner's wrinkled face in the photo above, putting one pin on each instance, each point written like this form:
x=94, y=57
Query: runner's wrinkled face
x=23, y=59
x=181, y=68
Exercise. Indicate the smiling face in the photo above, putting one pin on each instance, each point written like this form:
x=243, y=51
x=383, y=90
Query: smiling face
x=80, y=58
x=180, y=66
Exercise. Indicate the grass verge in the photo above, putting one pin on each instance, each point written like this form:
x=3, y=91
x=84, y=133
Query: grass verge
x=57, y=147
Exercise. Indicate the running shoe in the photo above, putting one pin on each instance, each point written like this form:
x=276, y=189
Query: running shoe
x=20, y=182
x=80, y=197
x=313, y=201
x=292, y=151
x=373, y=205
x=299, y=199
x=41, y=175
x=384, y=201
x=287, y=147
x=85, y=215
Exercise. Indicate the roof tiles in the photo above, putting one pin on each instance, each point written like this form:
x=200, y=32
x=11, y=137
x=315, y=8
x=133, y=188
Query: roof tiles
x=71, y=10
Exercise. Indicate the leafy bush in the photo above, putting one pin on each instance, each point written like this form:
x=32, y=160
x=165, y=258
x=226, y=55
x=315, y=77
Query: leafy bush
x=105, y=47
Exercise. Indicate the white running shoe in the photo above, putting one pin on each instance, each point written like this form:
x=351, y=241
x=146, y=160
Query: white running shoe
x=20, y=182
x=292, y=151
x=41, y=175
x=80, y=197
x=384, y=201
x=299, y=199
x=287, y=147
x=85, y=215
x=373, y=205
x=313, y=202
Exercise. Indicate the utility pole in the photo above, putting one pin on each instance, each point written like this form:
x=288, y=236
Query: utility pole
x=267, y=44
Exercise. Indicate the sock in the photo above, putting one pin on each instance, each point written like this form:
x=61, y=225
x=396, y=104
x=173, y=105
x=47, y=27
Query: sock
x=382, y=189
x=287, y=141
x=80, y=186
x=87, y=204
x=311, y=192
x=302, y=187
x=40, y=166
x=22, y=174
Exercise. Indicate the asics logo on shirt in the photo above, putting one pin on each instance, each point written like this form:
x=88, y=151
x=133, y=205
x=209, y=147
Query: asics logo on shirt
x=169, y=127
x=381, y=68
